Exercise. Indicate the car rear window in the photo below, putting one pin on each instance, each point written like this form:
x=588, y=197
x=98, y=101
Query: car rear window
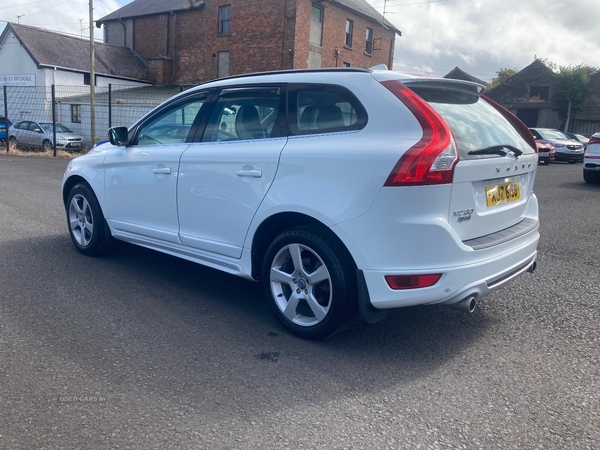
x=475, y=123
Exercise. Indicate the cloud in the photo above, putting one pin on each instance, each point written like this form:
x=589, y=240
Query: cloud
x=68, y=16
x=481, y=37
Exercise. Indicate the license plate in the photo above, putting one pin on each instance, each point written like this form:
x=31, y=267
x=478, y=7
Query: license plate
x=503, y=193
x=75, y=144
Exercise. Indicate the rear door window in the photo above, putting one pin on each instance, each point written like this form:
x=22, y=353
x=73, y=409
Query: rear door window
x=246, y=113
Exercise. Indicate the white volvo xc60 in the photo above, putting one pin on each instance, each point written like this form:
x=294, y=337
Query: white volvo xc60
x=346, y=192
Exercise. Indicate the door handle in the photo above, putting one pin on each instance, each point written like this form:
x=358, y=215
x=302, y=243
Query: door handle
x=254, y=173
x=162, y=171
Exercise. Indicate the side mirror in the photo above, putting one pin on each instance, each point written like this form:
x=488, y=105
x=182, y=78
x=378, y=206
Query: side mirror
x=118, y=136
x=37, y=130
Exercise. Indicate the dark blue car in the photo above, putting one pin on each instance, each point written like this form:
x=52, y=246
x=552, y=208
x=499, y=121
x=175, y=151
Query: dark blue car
x=4, y=124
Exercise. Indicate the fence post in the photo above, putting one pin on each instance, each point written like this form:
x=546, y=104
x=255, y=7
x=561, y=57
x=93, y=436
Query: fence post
x=5, y=118
x=109, y=105
x=54, y=120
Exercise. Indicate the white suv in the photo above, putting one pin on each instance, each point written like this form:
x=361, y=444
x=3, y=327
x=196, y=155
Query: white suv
x=591, y=160
x=346, y=192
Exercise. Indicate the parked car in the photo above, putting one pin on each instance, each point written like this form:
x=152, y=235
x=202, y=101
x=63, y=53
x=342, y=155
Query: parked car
x=591, y=160
x=579, y=137
x=40, y=134
x=4, y=124
x=566, y=149
x=346, y=192
x=546, y=152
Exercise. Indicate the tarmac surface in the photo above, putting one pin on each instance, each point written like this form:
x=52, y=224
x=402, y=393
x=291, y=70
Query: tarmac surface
x=140, y=350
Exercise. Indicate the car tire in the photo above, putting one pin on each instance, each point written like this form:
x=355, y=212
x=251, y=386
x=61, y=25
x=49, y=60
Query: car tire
x=13, y=142
x=47, y=145
x=310, y=285
x=87, y=226
x=591, y=177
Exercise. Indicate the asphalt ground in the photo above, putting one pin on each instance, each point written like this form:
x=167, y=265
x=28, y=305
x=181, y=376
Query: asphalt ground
x=140, y=350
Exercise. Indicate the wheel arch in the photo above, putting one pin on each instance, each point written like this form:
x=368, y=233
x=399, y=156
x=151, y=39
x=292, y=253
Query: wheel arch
x=68, y=185
x=276, y=224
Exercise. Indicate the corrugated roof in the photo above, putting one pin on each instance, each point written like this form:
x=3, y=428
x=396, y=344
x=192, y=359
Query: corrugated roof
x=139, y=8
x=53, y=49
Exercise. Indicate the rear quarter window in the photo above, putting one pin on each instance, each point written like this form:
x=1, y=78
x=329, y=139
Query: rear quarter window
x=323, y=108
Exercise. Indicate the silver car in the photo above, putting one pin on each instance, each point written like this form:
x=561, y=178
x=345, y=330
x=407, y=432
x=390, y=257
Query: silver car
x=40, y=134
x=567, y=149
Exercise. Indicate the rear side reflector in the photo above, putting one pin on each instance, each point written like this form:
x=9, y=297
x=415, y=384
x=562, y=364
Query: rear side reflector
x=432, y=159
x=398, y=282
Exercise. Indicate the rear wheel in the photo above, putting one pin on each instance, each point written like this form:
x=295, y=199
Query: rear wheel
x=13, y=143
x=310, y=287
x=87, y=226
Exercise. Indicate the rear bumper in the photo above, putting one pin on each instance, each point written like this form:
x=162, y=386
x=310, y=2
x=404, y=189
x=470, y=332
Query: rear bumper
x=457, y=283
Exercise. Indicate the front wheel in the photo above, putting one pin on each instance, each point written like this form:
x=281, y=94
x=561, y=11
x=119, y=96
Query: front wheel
x=87, y=226
x=47, y=145
x=309, y=284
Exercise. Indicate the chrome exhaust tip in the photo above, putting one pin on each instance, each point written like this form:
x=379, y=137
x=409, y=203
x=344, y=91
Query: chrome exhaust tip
x=466, y=305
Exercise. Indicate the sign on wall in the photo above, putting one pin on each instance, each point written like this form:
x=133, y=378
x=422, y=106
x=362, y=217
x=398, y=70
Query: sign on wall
x=17, y=80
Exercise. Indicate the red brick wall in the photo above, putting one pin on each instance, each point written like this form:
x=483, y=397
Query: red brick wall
x=334, y=35
x=265, y=35
x=150, y=36
x=257, y=41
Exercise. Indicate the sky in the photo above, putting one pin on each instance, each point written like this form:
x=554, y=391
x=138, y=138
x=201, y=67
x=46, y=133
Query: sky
x=479, y=36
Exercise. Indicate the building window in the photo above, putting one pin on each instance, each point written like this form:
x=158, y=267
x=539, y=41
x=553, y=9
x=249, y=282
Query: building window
x=369, y=41
x=76, y=113
x=539, y=93
x=349, y=29
x=86, y=79
x=346, y=64
x=316, y=25
x=223, y=69
x=224, y=19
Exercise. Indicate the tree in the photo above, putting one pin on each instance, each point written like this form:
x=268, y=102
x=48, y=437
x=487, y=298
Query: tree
x=570, y=90
x=503, y=75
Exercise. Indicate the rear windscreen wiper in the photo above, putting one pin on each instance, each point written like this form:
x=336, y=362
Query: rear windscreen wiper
x=501, y=150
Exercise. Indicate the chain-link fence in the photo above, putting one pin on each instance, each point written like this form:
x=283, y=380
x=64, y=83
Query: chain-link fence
x=70, y=106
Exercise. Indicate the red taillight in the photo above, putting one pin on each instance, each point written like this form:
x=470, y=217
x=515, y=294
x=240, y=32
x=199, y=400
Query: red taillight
x=594, y=140
x=432, y=159
x=398, y=282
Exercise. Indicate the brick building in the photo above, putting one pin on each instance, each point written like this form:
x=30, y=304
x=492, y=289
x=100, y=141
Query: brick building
x=191, y=41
